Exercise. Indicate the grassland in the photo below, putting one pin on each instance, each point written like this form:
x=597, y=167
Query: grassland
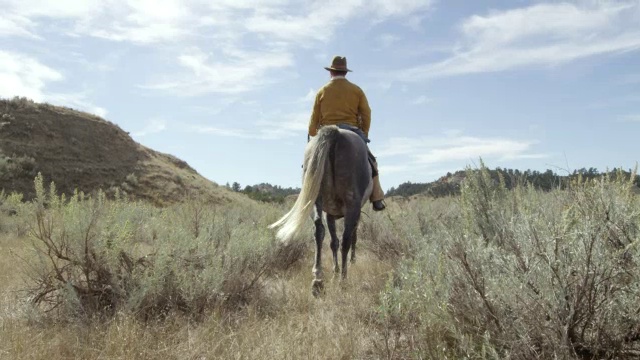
x=491, y=274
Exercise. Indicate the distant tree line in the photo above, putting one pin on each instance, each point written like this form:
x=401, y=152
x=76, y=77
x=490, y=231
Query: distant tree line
x=450, y=184
x=264, y=191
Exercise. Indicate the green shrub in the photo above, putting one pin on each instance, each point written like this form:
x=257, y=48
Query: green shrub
x=16, y=167
x=521, y=274
x=12, y=214
x=97, y=257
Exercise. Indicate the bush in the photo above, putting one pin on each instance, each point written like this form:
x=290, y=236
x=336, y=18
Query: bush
x=524, y=274
x=12, y=214
x=97, y=257
x=16, y=167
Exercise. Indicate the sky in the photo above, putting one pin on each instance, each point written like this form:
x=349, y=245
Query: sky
x=228, y=85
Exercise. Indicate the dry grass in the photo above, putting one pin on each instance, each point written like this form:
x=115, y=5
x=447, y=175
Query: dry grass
x=288, y=323
x=492, y=274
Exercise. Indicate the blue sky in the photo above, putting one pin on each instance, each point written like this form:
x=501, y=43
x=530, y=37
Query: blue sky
x=228, y=85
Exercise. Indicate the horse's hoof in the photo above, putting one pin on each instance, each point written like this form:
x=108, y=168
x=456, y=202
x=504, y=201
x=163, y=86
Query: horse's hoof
x=353, y=260
x=317, y=288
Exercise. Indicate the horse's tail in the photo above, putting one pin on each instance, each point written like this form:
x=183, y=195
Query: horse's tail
x=316, y=157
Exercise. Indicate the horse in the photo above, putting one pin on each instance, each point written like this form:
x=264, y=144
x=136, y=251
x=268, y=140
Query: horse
x=337, y=179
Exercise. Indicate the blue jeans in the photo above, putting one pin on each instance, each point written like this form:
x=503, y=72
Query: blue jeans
x=355, y=130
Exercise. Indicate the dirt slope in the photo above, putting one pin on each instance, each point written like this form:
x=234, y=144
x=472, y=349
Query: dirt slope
x=80, y=150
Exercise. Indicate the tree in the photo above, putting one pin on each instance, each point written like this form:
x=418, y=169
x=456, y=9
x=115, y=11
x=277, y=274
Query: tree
x=236, y=186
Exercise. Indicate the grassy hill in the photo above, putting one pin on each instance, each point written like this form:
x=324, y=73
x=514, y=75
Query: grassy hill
x=79, y=150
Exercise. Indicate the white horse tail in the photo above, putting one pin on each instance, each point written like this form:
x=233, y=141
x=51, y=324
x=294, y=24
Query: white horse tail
x=316, y=156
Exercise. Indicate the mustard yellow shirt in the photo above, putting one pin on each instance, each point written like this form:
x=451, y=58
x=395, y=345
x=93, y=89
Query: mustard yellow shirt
x=340, y=102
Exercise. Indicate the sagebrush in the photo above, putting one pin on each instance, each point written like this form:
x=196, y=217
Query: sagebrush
x=96, y=256
x=494, y=273
x=522, y=274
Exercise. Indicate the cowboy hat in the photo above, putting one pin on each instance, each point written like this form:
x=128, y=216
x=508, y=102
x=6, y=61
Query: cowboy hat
x=339, y=63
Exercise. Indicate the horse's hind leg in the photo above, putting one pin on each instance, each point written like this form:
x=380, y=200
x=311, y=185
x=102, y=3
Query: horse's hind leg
x=354, y=239
x=335, y=242
x=350, y=225
x=317, y=285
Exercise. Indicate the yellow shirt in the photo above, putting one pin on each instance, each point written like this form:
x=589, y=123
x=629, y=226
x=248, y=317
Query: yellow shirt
x=340, y=102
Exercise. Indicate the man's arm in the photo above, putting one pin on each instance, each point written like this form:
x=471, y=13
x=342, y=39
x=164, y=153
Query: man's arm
x=314, y=122
x=365, y=113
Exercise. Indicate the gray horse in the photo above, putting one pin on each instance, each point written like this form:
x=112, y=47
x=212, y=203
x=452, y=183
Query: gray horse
x=337, y=180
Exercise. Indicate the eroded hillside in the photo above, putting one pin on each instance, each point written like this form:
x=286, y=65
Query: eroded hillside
x=81, y=151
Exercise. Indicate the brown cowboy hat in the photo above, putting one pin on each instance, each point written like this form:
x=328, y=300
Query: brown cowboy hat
x=339, y=63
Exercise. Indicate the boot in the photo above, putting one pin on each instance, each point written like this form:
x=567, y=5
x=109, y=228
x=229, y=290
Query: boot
x=378, y=205
x=377, y=195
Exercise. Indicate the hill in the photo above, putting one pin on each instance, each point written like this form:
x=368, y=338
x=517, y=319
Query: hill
x=450, y=184
x=266, y=192
x=81, y=151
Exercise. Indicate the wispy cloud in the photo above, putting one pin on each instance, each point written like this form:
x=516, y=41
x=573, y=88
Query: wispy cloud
x=411, y=153
x=386, y=40
x=21, y=75
x=318, y=21
x=78, y=100
x=153, y=126
x=15, y=25
x=140, y=21
x=226, y=132
x=310, y=97
x=240, y=71
x=421, y=100
x=62, y=9
x=234, y=62
x=278, y=126
x=542, y=34
x=634, y=118
x=275, y=127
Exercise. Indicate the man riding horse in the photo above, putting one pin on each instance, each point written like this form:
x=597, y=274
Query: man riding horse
x=344, y=104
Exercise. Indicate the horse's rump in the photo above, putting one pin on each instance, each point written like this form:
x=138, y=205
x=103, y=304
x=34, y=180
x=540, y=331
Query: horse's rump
x=336, y=168
x=347, y=181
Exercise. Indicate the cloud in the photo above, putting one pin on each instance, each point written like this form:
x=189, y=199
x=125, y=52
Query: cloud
x=148, y=21
x=310, y=97
x=153, y=126
x=539, y=35
x=279, y=126
x=245, y=40
x=21, y=75
x=60, y=9
x=13, y=25
x=318, y=21
x=635, y=118
x=402, y=154
x=232, y=71
x=79, y=101
x=226, y=132
x=141, y=21
x=420, y=100
x=276, y=127
x=386, y=40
